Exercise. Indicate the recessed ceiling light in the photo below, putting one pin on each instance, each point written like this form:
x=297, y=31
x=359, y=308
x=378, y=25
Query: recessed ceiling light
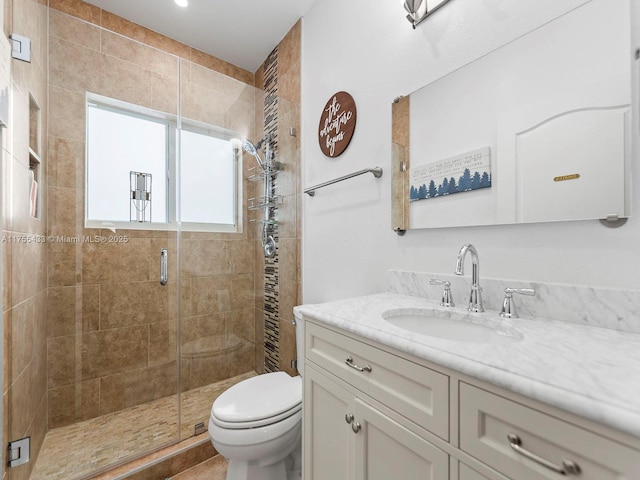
x=182, y=3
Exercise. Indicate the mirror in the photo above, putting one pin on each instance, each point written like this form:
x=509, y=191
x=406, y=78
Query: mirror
x=536, y=131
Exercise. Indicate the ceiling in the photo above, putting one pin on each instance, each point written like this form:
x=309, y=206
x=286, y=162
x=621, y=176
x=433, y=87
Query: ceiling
x=241, y=32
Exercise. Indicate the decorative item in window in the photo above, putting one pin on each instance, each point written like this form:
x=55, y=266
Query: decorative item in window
x=462, y=173
x=337, y=124
x=140, y=210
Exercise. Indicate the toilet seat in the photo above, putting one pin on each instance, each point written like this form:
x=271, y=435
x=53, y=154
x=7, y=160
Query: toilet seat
x=245, y=404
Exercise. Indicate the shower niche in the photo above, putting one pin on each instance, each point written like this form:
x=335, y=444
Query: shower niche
x=35, y=168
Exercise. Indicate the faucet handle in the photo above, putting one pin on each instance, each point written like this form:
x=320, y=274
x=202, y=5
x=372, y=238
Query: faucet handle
x=447, y=296
x=508, y=305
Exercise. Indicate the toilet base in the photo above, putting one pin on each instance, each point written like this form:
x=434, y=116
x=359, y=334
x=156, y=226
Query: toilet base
x=295, y=473
x=289, y=468
x=239, y=470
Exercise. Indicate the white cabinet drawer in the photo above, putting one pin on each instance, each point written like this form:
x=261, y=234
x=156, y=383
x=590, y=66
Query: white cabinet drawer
x=486, y=421
x=414, y=391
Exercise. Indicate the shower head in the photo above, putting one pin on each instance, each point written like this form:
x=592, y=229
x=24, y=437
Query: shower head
x=251, y=149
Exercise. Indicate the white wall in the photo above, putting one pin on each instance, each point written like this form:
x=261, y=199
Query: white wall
x=368, y=48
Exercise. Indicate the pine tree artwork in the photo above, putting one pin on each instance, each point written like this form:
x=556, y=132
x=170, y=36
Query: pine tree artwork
x=462, y=173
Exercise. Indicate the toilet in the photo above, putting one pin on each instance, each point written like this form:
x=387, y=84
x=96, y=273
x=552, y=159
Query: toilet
x=257, y=424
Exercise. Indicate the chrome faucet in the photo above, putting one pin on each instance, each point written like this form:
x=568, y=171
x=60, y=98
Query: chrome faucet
x=475, y=297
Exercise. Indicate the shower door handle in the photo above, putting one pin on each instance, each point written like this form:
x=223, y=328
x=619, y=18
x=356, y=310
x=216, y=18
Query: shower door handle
x=164, y=270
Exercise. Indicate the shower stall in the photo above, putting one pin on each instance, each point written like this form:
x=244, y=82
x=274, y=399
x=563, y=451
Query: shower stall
x=167, y=269
x=159, y=314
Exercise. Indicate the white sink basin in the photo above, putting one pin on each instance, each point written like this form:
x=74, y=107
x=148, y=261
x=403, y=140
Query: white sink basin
x=453, y=325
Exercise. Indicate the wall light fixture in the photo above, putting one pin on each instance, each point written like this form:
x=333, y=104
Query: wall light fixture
x=419, y=10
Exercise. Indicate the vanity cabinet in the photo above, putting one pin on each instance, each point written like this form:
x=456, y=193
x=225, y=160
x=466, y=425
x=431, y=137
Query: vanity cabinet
x=349, y=433
x=491, y=424
x=374, y=413
x=348, y=438
x=328, y=439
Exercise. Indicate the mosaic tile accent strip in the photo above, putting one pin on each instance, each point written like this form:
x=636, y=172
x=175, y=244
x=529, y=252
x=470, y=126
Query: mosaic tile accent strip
x=271, y=277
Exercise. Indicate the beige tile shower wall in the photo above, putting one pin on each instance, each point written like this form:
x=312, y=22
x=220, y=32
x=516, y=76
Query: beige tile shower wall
x=24, y=253
x=288, y=186
x=96, y=16
x=112, y=327
x=257, y=189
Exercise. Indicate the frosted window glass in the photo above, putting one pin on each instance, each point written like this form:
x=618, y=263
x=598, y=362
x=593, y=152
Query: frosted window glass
x=207, y=179
x=118, y=143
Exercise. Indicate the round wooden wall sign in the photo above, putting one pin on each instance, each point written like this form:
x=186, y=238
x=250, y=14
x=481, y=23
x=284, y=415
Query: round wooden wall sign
x=337, y=123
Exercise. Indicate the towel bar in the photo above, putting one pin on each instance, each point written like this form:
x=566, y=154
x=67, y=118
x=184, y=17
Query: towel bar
x=377, y=172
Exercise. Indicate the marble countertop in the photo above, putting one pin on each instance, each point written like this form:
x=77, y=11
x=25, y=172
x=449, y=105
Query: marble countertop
x=589, y=371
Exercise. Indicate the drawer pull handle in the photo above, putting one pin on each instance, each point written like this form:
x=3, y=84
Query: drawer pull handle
x=348, y=418
x=355, y=427
x=568, y=467
x=349, y=362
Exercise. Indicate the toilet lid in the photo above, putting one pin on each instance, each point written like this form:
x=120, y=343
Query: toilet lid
x=258, y=398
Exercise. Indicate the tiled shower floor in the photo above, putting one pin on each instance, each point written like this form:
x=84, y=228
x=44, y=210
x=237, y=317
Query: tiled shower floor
x=75, y=451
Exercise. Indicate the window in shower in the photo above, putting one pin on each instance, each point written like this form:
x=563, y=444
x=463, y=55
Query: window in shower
x=119, y=142
x=134, y=173
x=208, y=179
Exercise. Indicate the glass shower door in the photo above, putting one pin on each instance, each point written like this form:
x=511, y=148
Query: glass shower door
x=217, y=241
x=105, y=361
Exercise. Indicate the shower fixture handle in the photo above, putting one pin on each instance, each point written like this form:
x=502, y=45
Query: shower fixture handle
x=164, y=270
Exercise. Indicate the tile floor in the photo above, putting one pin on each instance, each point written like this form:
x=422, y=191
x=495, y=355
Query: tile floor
x=116, y=437
x=213, y=469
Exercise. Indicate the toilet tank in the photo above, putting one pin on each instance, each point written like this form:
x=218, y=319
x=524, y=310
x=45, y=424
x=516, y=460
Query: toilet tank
x=299, y=341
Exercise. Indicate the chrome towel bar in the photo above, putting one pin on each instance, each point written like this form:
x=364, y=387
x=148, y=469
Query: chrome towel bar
x=377, y=172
